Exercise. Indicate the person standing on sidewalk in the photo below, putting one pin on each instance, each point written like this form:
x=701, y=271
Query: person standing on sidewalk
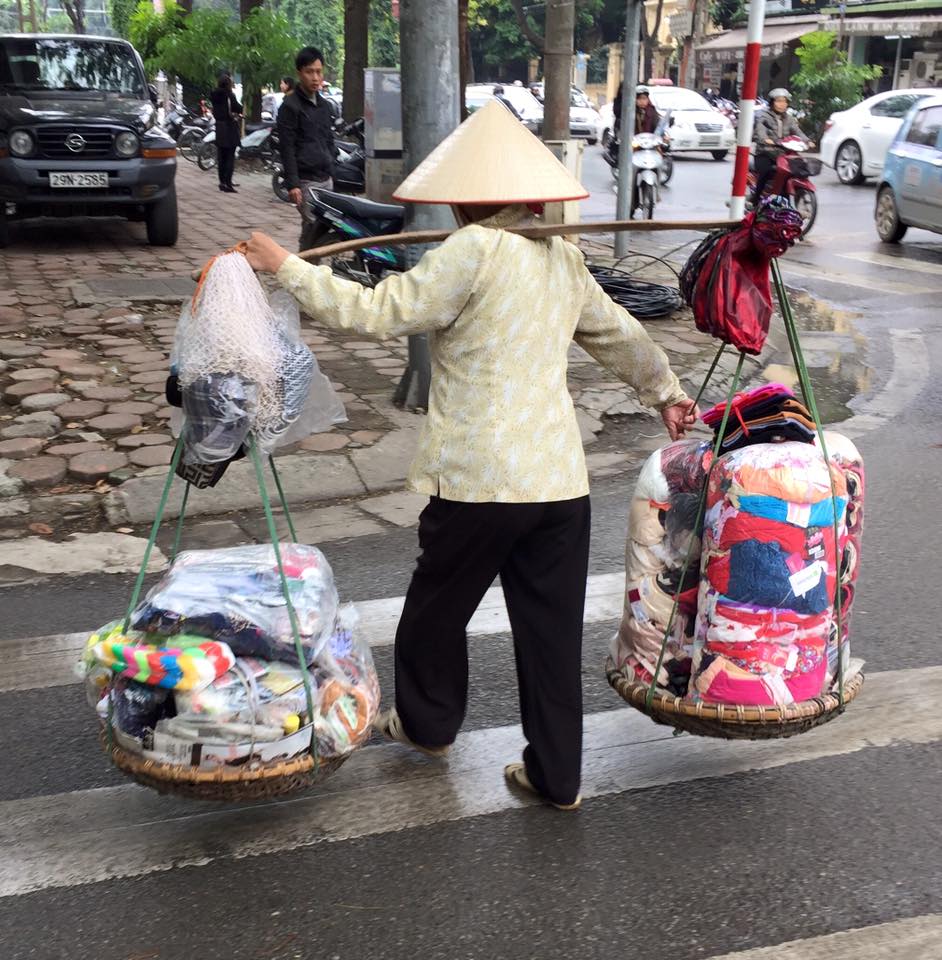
x=306, y=137
x=501, y=455
x=227, y=112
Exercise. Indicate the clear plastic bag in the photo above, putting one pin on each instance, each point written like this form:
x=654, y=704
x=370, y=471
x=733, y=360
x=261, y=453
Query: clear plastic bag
x=264, y=702
x=234, y=596
x=243, y=368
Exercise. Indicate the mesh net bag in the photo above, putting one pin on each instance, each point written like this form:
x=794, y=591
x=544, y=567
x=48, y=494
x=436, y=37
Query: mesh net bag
x=243, y=369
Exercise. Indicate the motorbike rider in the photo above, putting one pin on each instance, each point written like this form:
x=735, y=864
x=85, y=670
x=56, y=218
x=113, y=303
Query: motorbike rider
x=772, y=126
x=646, y=116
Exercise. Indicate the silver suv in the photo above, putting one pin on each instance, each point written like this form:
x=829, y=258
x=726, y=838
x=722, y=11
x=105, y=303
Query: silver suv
x=78, y=135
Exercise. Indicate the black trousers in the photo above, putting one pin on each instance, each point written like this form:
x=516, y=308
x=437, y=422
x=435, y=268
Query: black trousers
x=765, y=170
x=225, y=162
x=541, y=551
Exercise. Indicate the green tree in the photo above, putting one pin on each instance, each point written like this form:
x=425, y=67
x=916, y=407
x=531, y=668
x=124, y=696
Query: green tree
x=827, y=82
x=147, y=28
x=317, y=23
x=263, y=50
x=727, y=13
x=384, y=35
x=120, y=13
x=205, y=46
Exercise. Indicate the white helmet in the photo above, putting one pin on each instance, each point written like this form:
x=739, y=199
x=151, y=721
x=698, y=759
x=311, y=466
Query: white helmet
x=642, y=89
x=780, y=93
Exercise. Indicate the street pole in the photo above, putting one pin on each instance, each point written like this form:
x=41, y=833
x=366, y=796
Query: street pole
x=630, y=82
x=428, y=41
x=747, y=108
x=557, y=68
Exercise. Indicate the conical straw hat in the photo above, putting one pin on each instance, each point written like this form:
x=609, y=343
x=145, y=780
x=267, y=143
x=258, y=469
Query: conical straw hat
x=491, y=158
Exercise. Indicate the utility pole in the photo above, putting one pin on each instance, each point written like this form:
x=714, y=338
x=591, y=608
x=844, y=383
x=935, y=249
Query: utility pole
x=557, y=68
x=356, y=33
x=633, y=15
x=428, y=39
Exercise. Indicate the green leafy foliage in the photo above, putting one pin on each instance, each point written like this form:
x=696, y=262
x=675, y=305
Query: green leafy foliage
x=317, y=23
x=384, y=35
x=827, y=82
x=121, y=12
x=727, y=13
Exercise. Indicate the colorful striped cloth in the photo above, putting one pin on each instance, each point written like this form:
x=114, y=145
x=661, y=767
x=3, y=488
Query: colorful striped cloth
x=174, y=668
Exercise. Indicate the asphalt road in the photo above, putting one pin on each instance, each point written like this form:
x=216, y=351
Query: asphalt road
x=685, y=849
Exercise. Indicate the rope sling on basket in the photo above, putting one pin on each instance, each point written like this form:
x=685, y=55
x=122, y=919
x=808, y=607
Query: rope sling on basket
x=726, y=281
x=237, y=677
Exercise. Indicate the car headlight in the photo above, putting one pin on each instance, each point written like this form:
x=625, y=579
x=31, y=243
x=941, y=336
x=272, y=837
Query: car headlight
x=22, y=143
x=126, y=144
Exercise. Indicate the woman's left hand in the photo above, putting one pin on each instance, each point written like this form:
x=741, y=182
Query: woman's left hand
x=263, y=254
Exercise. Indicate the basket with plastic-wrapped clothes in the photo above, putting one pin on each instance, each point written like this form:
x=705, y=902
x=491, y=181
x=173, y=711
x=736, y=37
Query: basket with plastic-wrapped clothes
x=184, y=712
x=240, y=371
x=754, y=651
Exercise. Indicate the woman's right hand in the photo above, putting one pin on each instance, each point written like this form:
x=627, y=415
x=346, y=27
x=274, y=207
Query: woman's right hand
x=295, y=196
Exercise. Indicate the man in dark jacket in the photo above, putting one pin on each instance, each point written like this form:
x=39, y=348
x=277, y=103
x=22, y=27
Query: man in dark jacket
x=227, y=112
x=306, y=135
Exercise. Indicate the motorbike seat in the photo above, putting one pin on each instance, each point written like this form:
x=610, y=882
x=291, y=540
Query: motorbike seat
x=362, y=209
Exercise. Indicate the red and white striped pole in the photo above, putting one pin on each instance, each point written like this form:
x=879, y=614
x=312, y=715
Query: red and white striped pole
x=747, y=108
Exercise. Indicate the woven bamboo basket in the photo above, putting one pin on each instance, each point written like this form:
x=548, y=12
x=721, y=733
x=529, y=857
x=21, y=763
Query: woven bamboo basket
x=730, y=721
x=261, y=781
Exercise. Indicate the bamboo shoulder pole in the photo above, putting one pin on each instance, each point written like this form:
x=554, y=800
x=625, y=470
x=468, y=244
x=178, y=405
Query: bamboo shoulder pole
x=532, y=233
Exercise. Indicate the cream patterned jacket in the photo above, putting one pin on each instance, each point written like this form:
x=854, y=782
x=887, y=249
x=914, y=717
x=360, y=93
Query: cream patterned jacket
x=501, y=312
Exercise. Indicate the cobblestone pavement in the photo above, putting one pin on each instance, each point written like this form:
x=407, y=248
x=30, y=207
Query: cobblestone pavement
x=87, y=316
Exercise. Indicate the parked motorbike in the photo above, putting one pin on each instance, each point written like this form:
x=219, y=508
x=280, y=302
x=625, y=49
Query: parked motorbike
x=340, y=217
x=792, y=180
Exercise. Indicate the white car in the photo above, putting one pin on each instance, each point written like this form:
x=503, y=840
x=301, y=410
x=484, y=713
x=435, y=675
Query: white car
x=526, y=105
x=694, y=124
x=855, y=141
x=585, y=123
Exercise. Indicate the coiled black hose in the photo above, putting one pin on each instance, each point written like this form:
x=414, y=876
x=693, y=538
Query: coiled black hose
x=644, y=300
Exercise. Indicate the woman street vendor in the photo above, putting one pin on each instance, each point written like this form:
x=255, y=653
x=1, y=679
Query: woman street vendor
x=500, y=455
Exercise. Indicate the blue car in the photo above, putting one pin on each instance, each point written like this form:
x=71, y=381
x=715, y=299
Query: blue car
x=910, y=190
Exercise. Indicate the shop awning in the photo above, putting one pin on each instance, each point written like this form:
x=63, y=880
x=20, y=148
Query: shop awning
x=731, y=45
x=888, y=26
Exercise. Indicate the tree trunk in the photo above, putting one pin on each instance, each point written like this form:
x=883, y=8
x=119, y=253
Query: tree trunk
x=356, y=34
x=464, y=57
x=186, y=6
x=251, y=91
x=75, y=11
x=557, y=68
x=651, y=42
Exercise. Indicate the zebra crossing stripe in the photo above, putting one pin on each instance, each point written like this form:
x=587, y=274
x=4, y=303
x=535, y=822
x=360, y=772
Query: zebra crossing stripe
x=916, y=938
x=87, y=836
x=22, y=669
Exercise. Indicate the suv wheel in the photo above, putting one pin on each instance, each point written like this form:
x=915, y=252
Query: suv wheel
x=719, y=154
x=889, y=226
x=162, y=220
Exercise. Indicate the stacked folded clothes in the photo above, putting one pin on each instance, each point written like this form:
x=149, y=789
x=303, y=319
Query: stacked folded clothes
x=766, y=414
x=661, y=522
x=208, y=673
x=769, y=573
